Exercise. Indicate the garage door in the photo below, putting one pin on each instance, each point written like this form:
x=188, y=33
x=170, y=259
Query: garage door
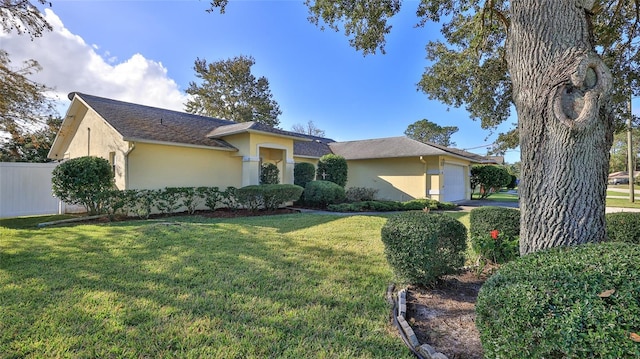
x=454, y=183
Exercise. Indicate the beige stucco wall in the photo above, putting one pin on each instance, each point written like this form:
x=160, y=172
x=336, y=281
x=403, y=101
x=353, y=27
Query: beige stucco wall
x=154, y=166
x=94, y=137
x=254, y=147
x=396, y=179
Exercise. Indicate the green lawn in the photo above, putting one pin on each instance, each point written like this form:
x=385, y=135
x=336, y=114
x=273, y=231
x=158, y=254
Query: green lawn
x=624, y=203
x=294, y=286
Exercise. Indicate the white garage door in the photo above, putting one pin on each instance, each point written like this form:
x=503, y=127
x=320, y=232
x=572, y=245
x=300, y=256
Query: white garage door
x=454, y=183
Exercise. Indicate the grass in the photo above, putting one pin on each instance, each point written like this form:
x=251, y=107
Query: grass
x=291, y=286
x=623, y=202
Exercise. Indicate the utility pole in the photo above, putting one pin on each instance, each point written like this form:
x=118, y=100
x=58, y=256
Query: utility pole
x=630, y=157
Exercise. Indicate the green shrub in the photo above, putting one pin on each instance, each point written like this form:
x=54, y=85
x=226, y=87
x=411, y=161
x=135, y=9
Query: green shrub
x=269, y=196
x=322, y=193
x=514, y=182
x=432, y=204
x=269, y=174
x=146, y=201
x=250, y=197
x=113, y=201
x=81, y=180
x=212, y=196
x=360, y=194
x=366, y=206
x=490, y=178
x=333, y=168
x=422, y=247
x=169, y=200
x=276, y=195
x=501, y=246
x=555, y=304
x=623, y=227
x=387, y=206
x=230, y=198
x=303, y=173
x=191, y=198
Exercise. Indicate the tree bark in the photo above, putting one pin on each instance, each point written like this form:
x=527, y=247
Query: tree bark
x=561, y=90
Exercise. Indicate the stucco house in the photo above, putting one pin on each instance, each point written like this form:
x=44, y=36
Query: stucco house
x=151, y=148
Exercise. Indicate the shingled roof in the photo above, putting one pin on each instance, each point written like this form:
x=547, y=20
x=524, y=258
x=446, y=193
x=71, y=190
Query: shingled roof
x=315, y=147
x=145, y=123
x=393, y=147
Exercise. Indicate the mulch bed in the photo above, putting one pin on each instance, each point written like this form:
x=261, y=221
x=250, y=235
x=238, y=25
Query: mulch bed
x=444, y=316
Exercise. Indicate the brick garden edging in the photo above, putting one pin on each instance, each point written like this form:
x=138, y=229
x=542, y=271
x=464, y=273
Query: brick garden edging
x=398, y=313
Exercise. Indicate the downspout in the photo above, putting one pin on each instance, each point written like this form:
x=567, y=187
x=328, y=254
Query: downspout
x=132, y=146
x=426, y=178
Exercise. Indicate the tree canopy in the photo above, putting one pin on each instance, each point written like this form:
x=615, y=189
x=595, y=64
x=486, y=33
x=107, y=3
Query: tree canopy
x=22, y=101
x=23, y=17
x=310, y=129
x=469, y=68
x=229, y=90
x=427, y=131
x=30, y=146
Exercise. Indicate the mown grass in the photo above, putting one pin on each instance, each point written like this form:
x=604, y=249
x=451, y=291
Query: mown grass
x=623, y=202
x=294, y=286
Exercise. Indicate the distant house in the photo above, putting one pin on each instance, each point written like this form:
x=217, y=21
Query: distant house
x=622, y=177
x=151, y=148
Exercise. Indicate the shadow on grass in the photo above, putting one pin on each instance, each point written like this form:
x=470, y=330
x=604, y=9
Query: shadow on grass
x=291, y=286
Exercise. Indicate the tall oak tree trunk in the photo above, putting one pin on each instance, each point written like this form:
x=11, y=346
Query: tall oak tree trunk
x=561, y=91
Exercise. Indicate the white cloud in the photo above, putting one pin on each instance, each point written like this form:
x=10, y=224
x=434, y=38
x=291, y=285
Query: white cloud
x=69, y=64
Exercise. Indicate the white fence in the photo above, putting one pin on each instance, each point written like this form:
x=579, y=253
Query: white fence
x=25, y=190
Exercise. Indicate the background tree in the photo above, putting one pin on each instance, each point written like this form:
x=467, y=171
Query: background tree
x=30, y=146
x=490, y=178
x=23, y=17
x=22, y=101
x=619, y=161
x=229, y=90
x=310, y=129
x=549, y=68
x=427, y=131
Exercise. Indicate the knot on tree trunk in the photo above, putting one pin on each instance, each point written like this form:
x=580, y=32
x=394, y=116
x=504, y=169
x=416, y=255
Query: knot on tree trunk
x=580, y=81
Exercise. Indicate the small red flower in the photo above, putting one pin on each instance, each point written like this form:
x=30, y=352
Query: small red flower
x=494, y=234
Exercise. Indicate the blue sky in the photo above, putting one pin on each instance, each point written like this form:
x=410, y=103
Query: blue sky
x=144, y=51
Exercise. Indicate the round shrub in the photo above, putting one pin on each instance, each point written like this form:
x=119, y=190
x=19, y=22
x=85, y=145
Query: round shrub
x=82, y=180
x=422, y=247
x=566, y=302
x=623, y=227
x=303, y=173
x=494, y=232
x=333, y=168
x=269, y=174
x=322, y=193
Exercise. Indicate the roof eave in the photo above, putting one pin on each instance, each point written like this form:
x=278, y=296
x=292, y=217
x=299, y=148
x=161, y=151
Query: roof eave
x=179, y=144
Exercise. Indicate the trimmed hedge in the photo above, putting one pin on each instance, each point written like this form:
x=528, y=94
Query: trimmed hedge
x=566, y=302
x=390, y=206
x=501, y=246
x=360, y=194
x=269, y=196
x=322, y=193
x=269, y=173
x=335, y=169
x=422, y=247
x=623, y=227
x=303, y=173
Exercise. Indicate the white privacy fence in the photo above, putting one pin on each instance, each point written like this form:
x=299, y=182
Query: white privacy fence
x=25, y=190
